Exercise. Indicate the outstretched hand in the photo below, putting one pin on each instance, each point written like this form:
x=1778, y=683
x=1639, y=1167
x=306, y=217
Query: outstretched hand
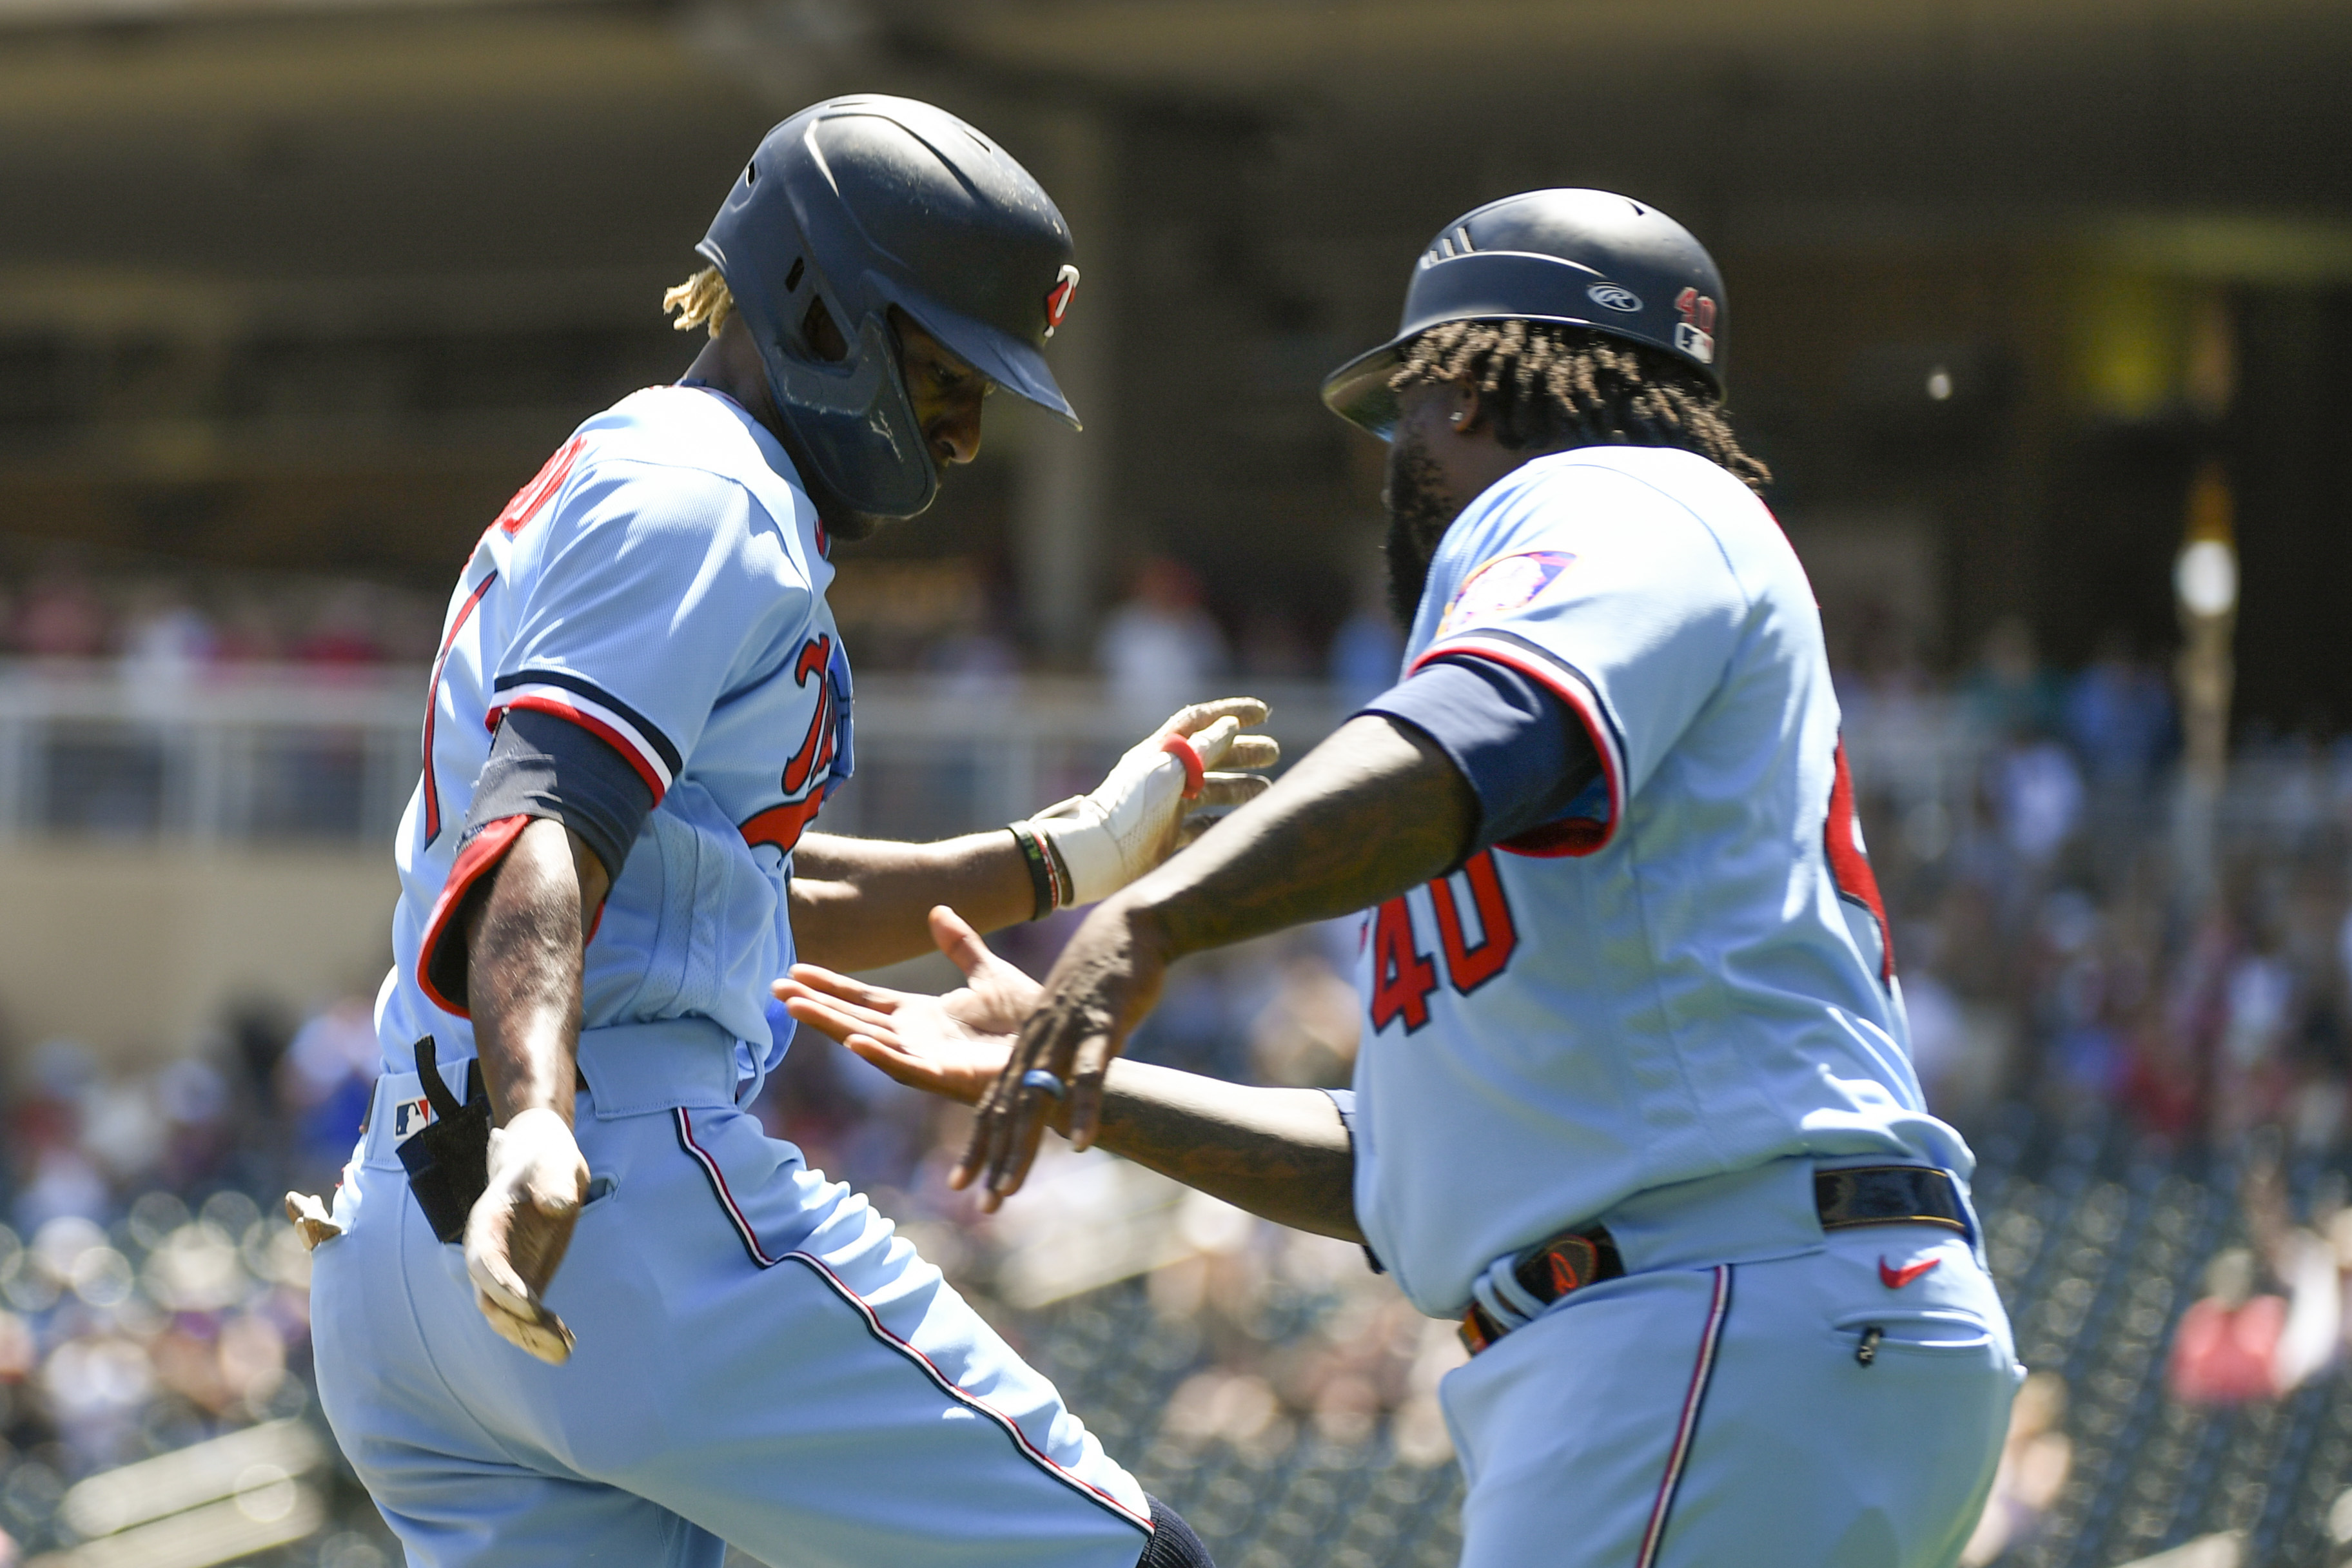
x=952, y=1046
x=1105, y=982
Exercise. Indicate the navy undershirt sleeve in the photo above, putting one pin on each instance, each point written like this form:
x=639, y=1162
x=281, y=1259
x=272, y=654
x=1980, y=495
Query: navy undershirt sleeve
x=542, y=765
x=1524, y=752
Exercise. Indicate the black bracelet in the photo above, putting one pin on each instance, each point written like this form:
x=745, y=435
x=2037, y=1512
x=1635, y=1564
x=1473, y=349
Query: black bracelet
x=1045, y=880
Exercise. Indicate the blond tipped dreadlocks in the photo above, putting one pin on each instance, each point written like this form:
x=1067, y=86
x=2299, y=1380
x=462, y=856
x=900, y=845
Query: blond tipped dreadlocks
x=1550, y=386
x=702, y=300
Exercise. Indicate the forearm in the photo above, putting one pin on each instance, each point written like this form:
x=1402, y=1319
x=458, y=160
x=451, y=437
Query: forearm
x=1373, y=810
x=860, y=903
x=1281, y=1153
x=523, y=970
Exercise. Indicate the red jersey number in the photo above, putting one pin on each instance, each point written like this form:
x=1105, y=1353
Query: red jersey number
x=1403, y=976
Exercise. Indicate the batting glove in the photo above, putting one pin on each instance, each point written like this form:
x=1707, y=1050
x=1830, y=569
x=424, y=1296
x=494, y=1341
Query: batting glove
x=1093, y=845
x=520, y=1226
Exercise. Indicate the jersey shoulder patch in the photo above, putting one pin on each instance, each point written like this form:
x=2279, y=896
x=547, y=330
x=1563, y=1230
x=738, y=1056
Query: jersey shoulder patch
x=1502, y=585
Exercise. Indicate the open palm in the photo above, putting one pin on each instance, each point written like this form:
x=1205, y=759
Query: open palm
x=953, y=1044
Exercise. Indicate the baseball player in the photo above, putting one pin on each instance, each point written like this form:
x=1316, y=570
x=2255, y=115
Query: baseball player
x=639, y=705
x=1634, y=1101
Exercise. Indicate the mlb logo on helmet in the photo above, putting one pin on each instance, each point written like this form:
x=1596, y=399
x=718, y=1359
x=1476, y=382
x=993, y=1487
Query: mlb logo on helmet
x=1057, y=298
x=1695, y=333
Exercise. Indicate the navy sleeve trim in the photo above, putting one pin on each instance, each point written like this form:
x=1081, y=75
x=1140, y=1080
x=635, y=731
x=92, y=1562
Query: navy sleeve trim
x=560, y=692
x=1524, y=749
x=542, y=764
x=1575, y=834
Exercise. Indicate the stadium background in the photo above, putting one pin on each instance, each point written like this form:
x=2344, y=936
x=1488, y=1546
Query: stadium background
x=293, y=293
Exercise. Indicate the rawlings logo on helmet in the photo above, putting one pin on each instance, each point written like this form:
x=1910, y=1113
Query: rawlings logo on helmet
x=1057, y=298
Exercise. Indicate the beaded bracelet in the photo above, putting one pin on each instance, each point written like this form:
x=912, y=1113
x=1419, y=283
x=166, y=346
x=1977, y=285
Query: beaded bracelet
x=1044, y=870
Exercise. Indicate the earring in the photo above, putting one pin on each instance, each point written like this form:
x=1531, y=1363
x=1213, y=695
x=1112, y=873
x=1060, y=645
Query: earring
x=1457, y=417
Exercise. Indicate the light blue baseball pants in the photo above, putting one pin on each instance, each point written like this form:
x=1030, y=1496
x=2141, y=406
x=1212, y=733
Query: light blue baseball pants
x=1725, y=1403
x=760, y=1361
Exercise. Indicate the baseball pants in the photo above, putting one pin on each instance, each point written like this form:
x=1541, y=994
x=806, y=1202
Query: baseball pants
x=1824, y=1402
x=760, y=1361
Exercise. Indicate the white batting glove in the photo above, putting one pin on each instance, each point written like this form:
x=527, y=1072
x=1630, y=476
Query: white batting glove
x=1098, y=843
x=519, y=1228
x=312, y=1221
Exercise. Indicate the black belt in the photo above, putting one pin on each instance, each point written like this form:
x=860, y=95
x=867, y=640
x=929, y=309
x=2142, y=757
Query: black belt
x=1844, y=1199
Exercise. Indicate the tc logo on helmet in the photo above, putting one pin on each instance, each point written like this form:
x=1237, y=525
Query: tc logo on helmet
x=1615, y=297
x=1057, y=298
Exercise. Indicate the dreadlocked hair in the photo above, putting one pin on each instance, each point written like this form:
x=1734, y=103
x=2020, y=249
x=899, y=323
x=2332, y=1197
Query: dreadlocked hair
x=702, y=300
x=1550, y=386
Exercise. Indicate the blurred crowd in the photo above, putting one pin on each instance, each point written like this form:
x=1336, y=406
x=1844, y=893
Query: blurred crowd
x=169, y=623
x=151, y=1296
x=2070, y=926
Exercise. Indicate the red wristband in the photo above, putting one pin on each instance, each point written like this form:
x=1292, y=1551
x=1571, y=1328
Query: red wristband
x=1181, y=748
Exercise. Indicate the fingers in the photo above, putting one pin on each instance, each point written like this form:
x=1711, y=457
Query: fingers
x=1209, y=744
x=508, y=1301
x=955, y=937
x=1028, y=1129
x=1247, y=712
x=994, y=1130
x=791, y=991
x=537, y=1331
x=1088, y=1068
x=1015, y=1120
x=816, y=979
x=835, y=1025
x=912, y=1071
x=1251, y=751
x=1224, y=790
x=311, y=1221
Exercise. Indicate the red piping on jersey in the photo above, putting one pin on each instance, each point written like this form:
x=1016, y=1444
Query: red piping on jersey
x=608, y=733
x=433, y=704
x=481, y=855
x=874, y=1325
x=1576, y=837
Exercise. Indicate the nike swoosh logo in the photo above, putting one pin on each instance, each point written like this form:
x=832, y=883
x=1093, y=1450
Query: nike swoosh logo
x=1895, y=1278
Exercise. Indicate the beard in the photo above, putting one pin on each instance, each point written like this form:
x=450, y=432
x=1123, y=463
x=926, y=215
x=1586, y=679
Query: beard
x=1419, y=512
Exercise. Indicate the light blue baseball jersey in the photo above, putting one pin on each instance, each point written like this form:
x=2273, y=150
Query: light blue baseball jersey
x=1689, y=974
x=660, y=584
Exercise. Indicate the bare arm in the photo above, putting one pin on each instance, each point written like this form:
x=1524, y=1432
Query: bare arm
x=860, y=903
x=524, y=964
x=1375, y=809
x=523, y=943
x=1282, y=1153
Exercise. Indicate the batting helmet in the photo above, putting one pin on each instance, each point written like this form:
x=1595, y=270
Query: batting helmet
x=1586, y=258
x=870, y=201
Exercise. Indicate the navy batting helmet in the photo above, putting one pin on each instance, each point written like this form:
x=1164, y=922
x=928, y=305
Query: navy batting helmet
x=1585, y=258
x=869, y=202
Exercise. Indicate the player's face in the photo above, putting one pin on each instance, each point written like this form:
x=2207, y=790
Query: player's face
x=947, y=394
x=1421, y=497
